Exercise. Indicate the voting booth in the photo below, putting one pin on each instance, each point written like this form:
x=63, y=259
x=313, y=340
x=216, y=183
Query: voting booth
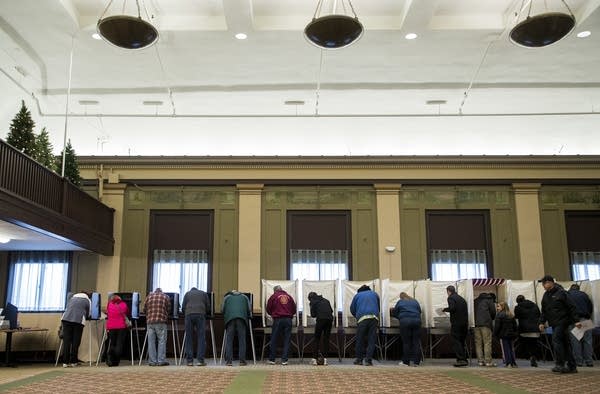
x=329, y=290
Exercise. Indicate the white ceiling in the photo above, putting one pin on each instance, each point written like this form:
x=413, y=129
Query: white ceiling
x=25, y=238
x=228, y=96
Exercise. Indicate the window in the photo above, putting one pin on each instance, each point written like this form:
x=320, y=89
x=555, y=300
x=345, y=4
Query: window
x=585, y=265
x=449, y=265
x=38, y=280
x=177, y=271
x=319, y=264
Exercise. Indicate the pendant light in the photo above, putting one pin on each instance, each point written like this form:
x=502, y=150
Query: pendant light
x=126, y=31
x=335, y=30
x=543, y=29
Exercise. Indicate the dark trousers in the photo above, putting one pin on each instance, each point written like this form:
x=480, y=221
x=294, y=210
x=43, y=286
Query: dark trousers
x=197, y=321
x=561, y=343
x=366, y=328
x=282, y=326
x=236, y=327
x=410, y=332
x=322, y=330
x=508, y=351
x=458, y=333
x=530, y=345
x=71, y=340
x=116, y=338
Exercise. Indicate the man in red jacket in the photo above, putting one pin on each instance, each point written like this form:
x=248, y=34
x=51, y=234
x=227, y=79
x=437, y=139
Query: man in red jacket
x=281, y=307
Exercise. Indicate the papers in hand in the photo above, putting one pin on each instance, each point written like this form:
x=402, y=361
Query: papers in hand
x=440, y=311
x=585, y=325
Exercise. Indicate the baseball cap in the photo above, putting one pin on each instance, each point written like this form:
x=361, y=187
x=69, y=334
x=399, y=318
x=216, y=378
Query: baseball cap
x=546, y=278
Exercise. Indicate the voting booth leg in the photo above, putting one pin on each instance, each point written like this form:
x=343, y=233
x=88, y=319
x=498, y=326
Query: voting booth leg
x=212, y=338
x=252, y=341
x=223, y=346
x=59, y=352
x=182, y=350
x=101, y=348
x=143, y=347
x=175, y=331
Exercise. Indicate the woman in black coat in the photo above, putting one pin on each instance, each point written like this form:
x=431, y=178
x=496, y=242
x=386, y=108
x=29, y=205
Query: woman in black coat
x=505, y=328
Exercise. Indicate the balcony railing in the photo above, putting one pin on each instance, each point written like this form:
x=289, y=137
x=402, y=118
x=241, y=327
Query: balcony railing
x=27, y=180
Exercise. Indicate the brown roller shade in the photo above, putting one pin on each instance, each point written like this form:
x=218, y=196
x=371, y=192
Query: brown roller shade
x=181, y=230
x=321, y=230
x=457, y=230
x=583, y=230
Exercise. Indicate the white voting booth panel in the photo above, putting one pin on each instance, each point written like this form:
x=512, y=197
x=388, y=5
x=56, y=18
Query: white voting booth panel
x=289, y=286
x=464, y=288
x=433, y=296
x=390, y=294
x=326, y=288
x=349, y=289
x=594, y=286
x=510, y=289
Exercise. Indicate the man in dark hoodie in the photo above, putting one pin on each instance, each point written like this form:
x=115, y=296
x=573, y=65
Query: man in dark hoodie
x=195, y=305
x=559, y=311
x=582, y=349
x=459, y=325
x=320, y=308
x=528, y=314
x=282, y=308
x=485, y=312
x=365, y=308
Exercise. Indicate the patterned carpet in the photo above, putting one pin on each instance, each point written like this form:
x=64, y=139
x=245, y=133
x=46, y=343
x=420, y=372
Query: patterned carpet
x=297, y=378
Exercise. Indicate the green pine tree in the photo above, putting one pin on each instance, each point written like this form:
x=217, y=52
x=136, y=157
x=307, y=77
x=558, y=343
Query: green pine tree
x=71, y=166
x=43, y=150
x=21, y=134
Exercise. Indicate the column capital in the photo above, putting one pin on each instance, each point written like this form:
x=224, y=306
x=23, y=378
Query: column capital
x=249, y=189
x=526, y=188
x=114, y=188
x=387, y=188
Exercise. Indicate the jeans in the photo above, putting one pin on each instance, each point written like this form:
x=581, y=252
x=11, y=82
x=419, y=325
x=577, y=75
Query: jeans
x=236, y=327
x=582, y=350
x=157, y=331
x=483, y=344
x=508, y=351
x=410, y=332
x=116, y=338
x=561, y=344
x=322, y=329
x=281, y=326
x=458, y=332
x=366, y=328
x=71, y=340
x=198, y=321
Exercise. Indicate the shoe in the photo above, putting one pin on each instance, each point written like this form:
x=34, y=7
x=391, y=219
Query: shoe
x=313, y=361
x=491, y=365
x=514, y=365
x=271, y=362
x=402, y=364
x=190, y=363
x=163, y=364
x=481, y=364
x=461, y=363
x=416, y=364
x=243, y=363
x=66, y=365
x=284, y=362
x=152, y=364
x=558, y=369
x=590, y=364
x=229, y=364
x=325, y=362
x=533, y=362
x=357, y=362
x=201, y=364
x=569, y=370
x=369, y=363
x=73, y=365
x=580, y=365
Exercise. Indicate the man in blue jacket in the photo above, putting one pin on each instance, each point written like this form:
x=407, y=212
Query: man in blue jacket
x=365, y=308
x=582, y=349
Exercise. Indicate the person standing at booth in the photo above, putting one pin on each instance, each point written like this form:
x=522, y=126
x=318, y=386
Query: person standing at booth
x=116, y=326
x=236, y=312
x=485, y=312
x=582, y=349
x=459, y=325
x=505, y=329
x=72, y=321
x=528, y=314
x=195, y=305
x=282, y=308
x=157, y=307
x=365, y=308
x=320, y=308
x=408, y=313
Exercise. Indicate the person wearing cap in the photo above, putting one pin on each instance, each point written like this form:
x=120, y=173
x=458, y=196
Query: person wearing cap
x=459, y=325
x=365, y=308
x=236, y=312
x=320, y=309
x=559, y=311
x=282, y=308
x=582, y=349
x=528, y=314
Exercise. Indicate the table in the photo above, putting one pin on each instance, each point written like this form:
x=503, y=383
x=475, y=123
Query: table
x=9, y=334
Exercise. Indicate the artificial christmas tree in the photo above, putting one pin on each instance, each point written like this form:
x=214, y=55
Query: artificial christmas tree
x=71, y=166
x=21, y=134
x=43, y=150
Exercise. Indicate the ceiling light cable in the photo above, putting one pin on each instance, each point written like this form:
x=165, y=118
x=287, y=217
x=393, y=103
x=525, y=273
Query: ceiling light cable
x=317, y=92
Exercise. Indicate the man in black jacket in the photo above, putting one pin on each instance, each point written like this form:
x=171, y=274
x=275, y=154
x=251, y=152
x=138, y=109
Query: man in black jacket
x=459, y=325
x=559, y=311
x=320, y=308
x=485, y=312
x=528, y=314
x=582, y=349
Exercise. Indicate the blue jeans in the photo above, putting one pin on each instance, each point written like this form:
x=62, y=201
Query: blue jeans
x=236, y=327
x=198, y=321
x=508, y=351
x=157, y=330
x=366, y=328
x=561, y=344
x=281, y=326
x=582, y=350
x=410, y=332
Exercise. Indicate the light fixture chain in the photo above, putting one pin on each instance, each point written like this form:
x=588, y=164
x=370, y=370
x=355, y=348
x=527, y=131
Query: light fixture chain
x=352, y=8
x=124, y=5
x=568, y=8
x=530, y=6
x=106, y=9
x=318, y=91
x=137, y=3
x=318, y=9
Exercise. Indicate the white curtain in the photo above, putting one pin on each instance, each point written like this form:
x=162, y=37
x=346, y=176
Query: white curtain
x=38, y=280
x=319, y=264
x=452, y=265
x=177, y=271
x=585, y=265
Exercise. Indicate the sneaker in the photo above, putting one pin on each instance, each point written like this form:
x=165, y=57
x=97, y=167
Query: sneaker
x=190, y=363
x=151, y=364
x=369, y=363
x=514, y=365
x=271, y=362
x=284, y=362
x=66, y=365
x=229, y=364
x=357, y=362
x=491, y=365
x=73, y=365
x=461, y=363
x=558, y=369
x=313, y=361
x=569, y=370
x=243, y=363
x=201, y=364
x=533, y=362
x=481, y=364
x=415, y=364
x=402, y=364
x=163, y=364
x=589, y=364
x=325, y=362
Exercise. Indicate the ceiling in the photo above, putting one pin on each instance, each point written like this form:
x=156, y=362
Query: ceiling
x=207, y=93
x=25, y=238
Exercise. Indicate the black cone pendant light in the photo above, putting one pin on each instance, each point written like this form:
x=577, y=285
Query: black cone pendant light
x=127, y=32
x=543, y=29
x=333, y=31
